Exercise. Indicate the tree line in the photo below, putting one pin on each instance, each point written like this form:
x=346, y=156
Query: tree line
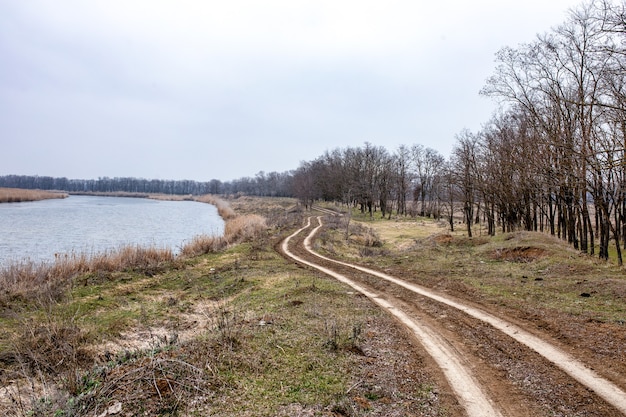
x=408, y=181
x=271, y=184
x=552, y=158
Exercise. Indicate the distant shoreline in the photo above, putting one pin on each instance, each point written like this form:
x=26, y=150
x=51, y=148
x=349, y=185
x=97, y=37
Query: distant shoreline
x=19, y=195
x=154, y=196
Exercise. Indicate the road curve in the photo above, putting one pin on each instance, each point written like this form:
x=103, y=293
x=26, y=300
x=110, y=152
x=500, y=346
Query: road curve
x=611, y=393
x=469, y=392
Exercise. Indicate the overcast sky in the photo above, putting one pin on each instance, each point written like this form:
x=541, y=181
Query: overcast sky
x=184, y=89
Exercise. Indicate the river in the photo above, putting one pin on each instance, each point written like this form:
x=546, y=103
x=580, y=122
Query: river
x=38, y=230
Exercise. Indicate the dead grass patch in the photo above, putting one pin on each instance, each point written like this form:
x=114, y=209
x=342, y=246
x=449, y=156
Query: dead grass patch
x=223, y=207
x=403, y=234
x=244, y=227
x=443, y=239
x=203, y=244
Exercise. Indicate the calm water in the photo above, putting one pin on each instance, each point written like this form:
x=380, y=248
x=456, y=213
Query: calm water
x=37, y=230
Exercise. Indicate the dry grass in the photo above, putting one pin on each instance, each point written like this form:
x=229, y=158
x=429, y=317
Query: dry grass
x=243, y=227
x=223, y=208
x=17, y=195
x=29, y=281
x=237, y=229
x=404, y=234
x=202, y=244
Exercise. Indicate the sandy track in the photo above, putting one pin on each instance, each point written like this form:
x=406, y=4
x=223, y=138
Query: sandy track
x=468, y=391
x=439, y=348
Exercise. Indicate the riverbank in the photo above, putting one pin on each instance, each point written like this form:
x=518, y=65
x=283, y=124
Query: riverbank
x=18, y=195
x=28, y=280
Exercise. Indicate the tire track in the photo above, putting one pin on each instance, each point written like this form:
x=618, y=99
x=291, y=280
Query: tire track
x=465, y=386
x=604, y=388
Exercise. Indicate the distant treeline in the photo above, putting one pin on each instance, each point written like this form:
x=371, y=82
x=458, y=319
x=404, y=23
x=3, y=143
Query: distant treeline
x=271, y=184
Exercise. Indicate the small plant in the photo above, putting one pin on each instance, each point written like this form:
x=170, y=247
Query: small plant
x=225, y=322
x=356, y=333
x=332, y=335
x=335, y=341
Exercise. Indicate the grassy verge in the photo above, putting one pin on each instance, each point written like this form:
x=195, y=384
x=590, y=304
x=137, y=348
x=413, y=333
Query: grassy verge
x=17, y=195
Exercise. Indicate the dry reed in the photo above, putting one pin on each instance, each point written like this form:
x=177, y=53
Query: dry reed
x=223, y=208
x=29, y=280
x=203, y=244
x=236, y=229
x=243, y=228
x=17, y=195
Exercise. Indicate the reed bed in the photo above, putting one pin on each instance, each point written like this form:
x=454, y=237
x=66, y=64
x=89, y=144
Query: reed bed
x=243, y=227
x=29, y=280
x=18, y=195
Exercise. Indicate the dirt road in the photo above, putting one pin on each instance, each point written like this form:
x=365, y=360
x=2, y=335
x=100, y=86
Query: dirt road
x=493, y=366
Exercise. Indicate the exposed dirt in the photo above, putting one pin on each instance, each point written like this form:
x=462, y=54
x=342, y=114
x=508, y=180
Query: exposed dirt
x=189, y=327
x=516, y=379
x=519, y=254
